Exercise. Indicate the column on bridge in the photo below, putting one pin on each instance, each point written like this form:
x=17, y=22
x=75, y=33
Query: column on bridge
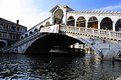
x=86, y=24
x=75, y=22
x=64, y=17
x=114, y=23
x=99, y=24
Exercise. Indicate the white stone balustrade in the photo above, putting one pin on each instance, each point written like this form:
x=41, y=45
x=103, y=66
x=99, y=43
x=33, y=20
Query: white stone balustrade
x=106, y=34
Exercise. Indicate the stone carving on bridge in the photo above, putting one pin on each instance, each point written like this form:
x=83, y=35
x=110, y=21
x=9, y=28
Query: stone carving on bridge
x=50, y=29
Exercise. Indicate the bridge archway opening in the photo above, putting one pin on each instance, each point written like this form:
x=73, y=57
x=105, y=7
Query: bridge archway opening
x=71, y=21
x=81, y=22
x=118, y=25
x=93, y=22
x=58, y=16
x=106, y=24
x=45, y=43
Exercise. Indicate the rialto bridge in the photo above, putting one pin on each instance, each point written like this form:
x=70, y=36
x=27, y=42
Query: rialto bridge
x=98, y=29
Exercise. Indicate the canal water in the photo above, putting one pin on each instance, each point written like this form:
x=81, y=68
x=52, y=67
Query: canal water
x=55, y=67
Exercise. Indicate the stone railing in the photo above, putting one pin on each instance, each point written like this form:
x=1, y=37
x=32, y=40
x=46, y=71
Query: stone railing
x=106, y=34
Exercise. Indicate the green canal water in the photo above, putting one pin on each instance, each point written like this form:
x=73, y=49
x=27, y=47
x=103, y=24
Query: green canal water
x=55, y=67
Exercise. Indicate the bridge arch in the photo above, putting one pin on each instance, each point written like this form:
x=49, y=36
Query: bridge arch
x=71, y=21
x=106, y=24
x=81, y=22
x=93, y=22
x=118, y=25
x=47, y=41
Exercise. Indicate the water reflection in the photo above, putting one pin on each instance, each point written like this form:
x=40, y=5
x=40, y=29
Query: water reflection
x=48, y=67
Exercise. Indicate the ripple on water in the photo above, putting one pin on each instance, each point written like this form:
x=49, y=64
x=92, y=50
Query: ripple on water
x=23, y=67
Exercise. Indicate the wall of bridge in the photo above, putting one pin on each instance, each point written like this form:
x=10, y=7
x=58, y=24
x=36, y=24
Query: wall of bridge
x=109, y=48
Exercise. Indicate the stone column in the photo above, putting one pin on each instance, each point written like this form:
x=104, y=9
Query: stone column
x=86, y=23
x=114, y=26
x=64, y=16
x=52, y=18
x=75, y=22
x=98, y=24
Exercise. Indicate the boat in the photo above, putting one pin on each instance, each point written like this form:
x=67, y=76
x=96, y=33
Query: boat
x=67, y=50
x=117, y=58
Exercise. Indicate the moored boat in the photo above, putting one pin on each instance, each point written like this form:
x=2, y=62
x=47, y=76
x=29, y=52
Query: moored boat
x=67, y=50
x=117, y=58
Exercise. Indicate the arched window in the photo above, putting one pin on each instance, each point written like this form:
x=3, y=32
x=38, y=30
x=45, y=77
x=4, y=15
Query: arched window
x=93, y=23
x=106, y=24
x=71, y=21
x=22, y=37
x=30, y=32
x=35, y=30
x=118, y=25
x=81, y=22
x=26, y=35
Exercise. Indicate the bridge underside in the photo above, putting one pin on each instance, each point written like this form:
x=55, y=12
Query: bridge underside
x=45, y=43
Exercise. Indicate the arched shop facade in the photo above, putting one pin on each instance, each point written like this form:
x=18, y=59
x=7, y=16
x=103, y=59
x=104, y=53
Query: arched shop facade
x=106, y=20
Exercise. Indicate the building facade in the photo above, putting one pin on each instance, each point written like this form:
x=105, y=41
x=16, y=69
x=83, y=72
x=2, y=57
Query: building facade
x=10, y=32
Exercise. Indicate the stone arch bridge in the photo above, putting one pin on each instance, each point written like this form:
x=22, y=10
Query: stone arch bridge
x=101, y=41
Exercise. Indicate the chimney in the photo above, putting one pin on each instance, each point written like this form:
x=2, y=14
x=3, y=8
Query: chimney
x=17, y=22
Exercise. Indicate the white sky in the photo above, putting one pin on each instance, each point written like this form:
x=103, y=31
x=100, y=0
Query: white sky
x=32, y=12
x=23, y=10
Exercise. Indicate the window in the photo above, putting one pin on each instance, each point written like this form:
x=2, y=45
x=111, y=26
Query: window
x=14, y=37
x=1, y=26
x=17, y=28
x=30, y=32
x=22, y=37
x=0, y=35
x=36, y=30
x=10, y=36
x=26, y=35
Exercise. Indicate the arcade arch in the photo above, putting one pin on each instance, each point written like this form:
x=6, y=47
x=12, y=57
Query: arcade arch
x=93, y=22
x=58, y=16
x=71, y=21
x=106, y=24
x=81, y=22
x=118, y=25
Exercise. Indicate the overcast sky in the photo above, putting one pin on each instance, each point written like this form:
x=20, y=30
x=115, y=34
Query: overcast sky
x=31, y=12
